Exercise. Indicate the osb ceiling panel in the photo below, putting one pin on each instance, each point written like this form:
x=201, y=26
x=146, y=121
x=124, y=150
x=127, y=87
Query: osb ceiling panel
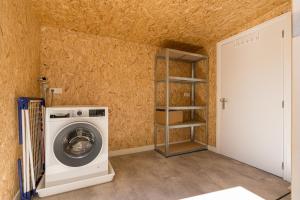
x=156, y=22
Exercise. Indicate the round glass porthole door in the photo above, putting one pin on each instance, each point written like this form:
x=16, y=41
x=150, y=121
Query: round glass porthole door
x=77, y=144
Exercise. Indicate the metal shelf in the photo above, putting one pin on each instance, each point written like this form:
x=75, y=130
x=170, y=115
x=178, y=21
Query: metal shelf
x=181, y=148
x=176, y=79
x=168, y=149
x=172, y=108
x=175, y=54
x=187, y=124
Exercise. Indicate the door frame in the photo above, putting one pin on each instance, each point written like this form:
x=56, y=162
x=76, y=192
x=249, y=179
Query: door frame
x=287, y=62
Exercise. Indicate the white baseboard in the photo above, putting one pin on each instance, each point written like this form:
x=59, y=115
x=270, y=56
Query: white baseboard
x=130, y=150
x=148, y=148
x=17, y=195
x=137, y=149
x=212, y=148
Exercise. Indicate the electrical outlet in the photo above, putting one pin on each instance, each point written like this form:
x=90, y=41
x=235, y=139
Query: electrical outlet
x=55, y=90
x=186, y=94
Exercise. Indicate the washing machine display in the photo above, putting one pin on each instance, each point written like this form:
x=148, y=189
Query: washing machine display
x=77, y=144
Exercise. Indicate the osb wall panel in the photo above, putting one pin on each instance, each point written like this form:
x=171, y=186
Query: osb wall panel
x=156, y=22
x=211, y=49
x=95, y=70
x=109, y=72
x=177, y=91
x=161, y=23
x=19, y=70
x=181, y=69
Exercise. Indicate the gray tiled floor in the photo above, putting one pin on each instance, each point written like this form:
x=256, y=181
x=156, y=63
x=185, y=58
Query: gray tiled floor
x=148, y=175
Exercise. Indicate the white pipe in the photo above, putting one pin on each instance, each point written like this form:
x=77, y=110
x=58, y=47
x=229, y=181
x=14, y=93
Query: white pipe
x=27, y=158
x=30, y=149
x=24, y=151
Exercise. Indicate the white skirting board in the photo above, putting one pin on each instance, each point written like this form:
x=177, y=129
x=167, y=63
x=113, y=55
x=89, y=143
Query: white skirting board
x=146, y=148
x=137, y=149
x=17, y=196
x=43, y=192
x=209, y=147
x=213, y=149
x=130, y=150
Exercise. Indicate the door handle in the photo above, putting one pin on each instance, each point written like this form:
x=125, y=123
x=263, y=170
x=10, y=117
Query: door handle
x=223, y=101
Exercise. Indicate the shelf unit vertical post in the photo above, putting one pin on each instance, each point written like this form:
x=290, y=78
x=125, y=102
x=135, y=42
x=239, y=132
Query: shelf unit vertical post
x=193, y=102
x=207, y=100
x=167, y=131
x=155, y=101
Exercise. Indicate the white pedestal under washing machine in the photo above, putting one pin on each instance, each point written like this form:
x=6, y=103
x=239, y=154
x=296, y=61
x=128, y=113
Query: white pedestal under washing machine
x=76, y=144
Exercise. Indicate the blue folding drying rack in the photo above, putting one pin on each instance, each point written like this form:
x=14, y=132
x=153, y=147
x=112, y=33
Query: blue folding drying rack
x=23, y=104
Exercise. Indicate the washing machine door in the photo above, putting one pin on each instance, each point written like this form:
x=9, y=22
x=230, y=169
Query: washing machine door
x=77, y=144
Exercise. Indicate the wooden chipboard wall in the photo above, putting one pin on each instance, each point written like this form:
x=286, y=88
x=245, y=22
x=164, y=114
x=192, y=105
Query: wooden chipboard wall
x=95, y=70
x=161, y=23
x=19, y=71
x=66, y=53
x=106, y=71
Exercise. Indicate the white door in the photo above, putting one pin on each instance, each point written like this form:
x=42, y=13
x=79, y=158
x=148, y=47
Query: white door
x=251, y=82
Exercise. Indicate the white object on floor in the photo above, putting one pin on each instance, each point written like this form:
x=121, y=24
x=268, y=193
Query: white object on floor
x=48, y=191
x=236, y=193
x=76, y=144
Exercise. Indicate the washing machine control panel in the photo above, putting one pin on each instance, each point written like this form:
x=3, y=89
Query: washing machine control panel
x=78, y=113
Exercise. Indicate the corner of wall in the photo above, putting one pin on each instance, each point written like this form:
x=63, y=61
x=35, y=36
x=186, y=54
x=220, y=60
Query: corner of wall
x=19, y=70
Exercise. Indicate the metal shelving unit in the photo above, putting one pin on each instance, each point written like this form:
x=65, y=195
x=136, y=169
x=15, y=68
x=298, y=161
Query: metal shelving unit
x=172, y=149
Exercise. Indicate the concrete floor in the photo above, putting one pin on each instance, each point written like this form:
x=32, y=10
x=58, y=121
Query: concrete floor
x=148, y=175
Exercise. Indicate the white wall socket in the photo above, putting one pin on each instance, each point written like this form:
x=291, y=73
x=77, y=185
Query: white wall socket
x=55, y=90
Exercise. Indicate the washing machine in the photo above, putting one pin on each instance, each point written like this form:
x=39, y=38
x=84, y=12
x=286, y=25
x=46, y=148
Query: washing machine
x=76, y=144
